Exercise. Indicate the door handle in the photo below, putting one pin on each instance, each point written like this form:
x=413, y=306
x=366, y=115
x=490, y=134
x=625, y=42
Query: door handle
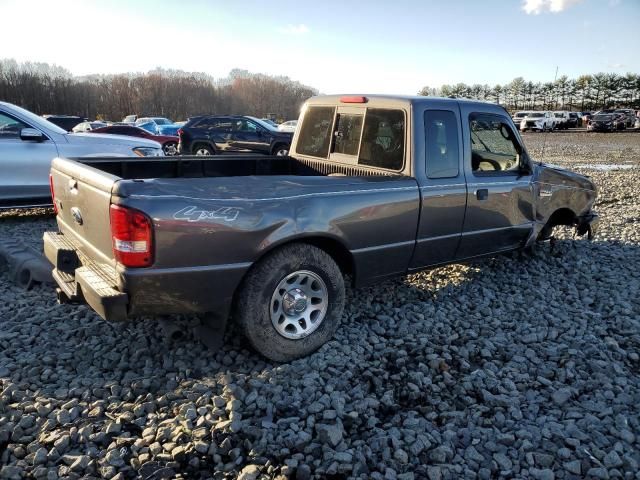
x=482, y=193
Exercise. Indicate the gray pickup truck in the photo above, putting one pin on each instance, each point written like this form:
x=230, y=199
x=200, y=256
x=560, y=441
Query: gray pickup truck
x=374, y=187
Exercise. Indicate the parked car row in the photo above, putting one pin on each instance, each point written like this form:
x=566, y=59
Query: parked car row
x=603, y=120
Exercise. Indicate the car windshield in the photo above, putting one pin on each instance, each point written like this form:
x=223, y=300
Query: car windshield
x=162, y=121
x=602, y=117
x=521, y=114
x=536, y=114
x=558, y=115
x=37, y=121
x=264, y=124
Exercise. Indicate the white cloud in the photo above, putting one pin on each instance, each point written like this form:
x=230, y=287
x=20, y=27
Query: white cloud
x=536, y=7
x=299, y=29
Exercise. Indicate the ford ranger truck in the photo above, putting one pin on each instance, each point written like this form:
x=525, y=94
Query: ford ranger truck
x=374, y=187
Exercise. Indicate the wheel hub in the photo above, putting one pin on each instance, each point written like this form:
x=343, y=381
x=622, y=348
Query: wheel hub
x=299, y=304
x=294, y=301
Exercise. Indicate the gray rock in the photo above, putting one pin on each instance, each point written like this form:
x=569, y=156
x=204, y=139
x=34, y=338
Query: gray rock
x=561, y=396
x=542, y=474
x=40, y=456
x=441, y=454
x=574, y=466
x=612, y=460
x=329, y=434
x=504, y=462
x=598, y=472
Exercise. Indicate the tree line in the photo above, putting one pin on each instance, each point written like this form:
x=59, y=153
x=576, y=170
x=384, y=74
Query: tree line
x=44, y=88
x=585, y=93
x=49, y=89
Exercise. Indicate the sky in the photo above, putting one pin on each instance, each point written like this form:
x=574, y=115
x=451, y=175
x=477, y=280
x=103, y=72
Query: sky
x=336, y=46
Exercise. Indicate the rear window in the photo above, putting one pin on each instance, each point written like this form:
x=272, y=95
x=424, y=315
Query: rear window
x=375, y=136
x=348, y=130
x=315, y=133
x=383, y=139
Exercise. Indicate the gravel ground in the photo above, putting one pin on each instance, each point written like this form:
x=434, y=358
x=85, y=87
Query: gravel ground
x=521, y=366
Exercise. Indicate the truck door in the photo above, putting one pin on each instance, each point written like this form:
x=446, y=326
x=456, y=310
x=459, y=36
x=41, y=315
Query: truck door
x=500, y=214
x=246, y=136
x=440, y=173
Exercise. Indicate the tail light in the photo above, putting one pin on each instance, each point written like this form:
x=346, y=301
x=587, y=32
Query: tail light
x=132, y=236
x=53, y=194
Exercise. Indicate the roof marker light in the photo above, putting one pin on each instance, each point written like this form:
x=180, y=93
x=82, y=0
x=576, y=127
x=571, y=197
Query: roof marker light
x=354, y=99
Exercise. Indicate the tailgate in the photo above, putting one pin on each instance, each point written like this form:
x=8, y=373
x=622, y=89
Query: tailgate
x=83, y=196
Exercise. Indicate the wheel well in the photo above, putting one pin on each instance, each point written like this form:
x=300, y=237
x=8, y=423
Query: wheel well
x=562, y=216
x=340, y=254
x=197, y=143
x=277, y=144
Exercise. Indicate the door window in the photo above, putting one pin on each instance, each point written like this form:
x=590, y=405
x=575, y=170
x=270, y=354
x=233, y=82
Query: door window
x=10, y=127
x=383, y=139
x=494, y=148
x=315, y=132
x=245, y=126
x=347, y=134
x=215, y=124
x=441, y=137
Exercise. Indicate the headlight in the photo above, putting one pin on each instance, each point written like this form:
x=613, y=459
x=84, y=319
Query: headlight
x=148, y=151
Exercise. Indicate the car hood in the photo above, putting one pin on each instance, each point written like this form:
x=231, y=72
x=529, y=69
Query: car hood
x=107, y=139
x=554, y=175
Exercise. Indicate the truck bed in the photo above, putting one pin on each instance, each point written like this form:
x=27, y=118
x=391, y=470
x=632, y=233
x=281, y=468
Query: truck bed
x=223, y=166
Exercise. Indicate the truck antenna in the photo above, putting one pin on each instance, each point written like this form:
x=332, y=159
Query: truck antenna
x=544, y=140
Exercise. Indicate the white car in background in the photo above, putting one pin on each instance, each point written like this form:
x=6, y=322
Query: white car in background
x=289, y=126
x=28, y=143
x=562, y=119
x=519, y=116
x=87, y=126
x=540, y=121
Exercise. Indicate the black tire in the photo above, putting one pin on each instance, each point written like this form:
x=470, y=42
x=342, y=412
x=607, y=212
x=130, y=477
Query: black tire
x=281, y=149
x=203, y=149
x=170, y=148
x=255, y=295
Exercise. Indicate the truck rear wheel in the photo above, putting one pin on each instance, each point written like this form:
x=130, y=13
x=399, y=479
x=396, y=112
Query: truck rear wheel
x=291, y=302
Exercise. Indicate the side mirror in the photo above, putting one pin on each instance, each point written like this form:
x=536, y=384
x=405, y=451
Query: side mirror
x=31, y=135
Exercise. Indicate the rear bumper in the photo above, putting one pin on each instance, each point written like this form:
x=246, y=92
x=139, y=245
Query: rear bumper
x=118, y=293
x=90, y=283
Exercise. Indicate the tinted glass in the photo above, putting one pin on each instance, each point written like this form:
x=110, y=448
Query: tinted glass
x=383, y=139
x=10, y=127
x=315, y=133
x=244, y=126
x=493, y=145
x=441, y=137
x=347, y=134
x=215, y=123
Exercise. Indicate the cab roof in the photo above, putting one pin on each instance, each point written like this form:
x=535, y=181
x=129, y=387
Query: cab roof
x=387, y=100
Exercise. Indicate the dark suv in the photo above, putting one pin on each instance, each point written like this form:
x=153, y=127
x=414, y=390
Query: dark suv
x=214, y=134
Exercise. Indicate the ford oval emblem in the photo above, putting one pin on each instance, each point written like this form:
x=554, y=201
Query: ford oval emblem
x=77, y=216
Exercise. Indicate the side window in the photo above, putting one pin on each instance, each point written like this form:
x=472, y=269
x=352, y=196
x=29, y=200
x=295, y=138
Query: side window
x=244, y=126
x=314, y=138
x=383, y=139
x=347, y=134
x=494, y=148
x=10, y=127
x=441, y=140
